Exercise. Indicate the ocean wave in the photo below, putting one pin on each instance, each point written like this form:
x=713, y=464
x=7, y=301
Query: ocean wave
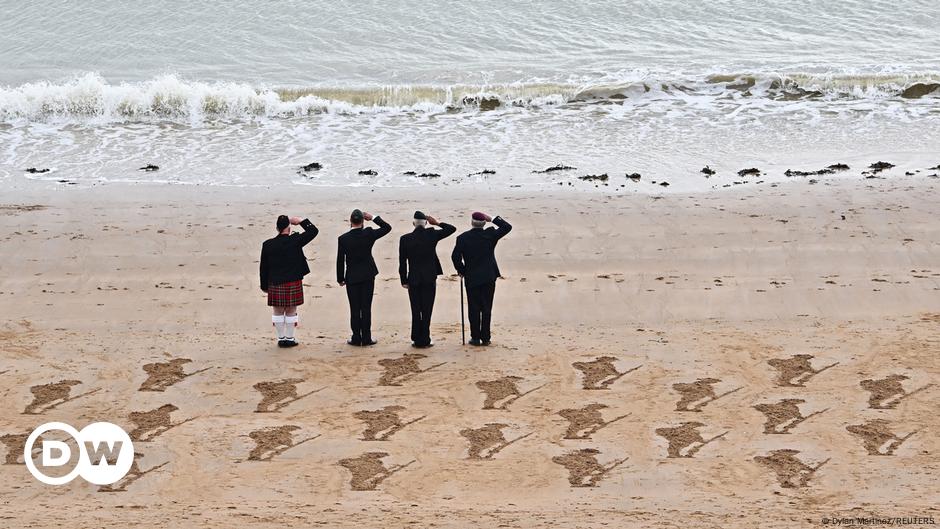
x=91, y=98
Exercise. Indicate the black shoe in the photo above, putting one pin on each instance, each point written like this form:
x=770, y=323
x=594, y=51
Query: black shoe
x=291, y=342
x=486, y=342
x=367, y=343
x=353, y=342
x=422, y=345
x=475, y=342
x=283, y=343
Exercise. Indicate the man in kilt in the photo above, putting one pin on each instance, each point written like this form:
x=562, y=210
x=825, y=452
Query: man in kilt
x=283, y=267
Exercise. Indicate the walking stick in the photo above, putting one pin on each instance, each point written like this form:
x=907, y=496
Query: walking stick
x=463, y=330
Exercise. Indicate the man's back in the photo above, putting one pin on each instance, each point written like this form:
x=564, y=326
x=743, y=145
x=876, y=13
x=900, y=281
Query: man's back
x=354, y=261
x=418, y=261
x=474, y=255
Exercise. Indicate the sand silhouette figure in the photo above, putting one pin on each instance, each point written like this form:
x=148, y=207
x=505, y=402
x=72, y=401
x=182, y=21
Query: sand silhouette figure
x=584, y=470
x=791, y=472
x=49, y=396
x=161, y=375
x=700, y=393
x=877, y=437
x=888, y=392
x=600, y=373
x=685, y=436
x=15, y=443
x=586, y=421
x=133, y=475
x=796, y=370
x=274, y=441
x=153, y=423
x=502, y=389
x=368, y=471
x=278, y=394
x=398, y=370
x=783, y=415
x=488, y=440
x=382, y=423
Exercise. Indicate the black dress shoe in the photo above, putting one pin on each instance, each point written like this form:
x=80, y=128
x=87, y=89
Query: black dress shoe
x=353, y=342
x=291, y=342
x=367, y=343
x=486, y=342
x=283, y=343
x=475, y=342
x=422, y=345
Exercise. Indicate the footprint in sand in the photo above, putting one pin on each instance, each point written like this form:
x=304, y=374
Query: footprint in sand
x=700, y=393
x=274, y=441
x=398, y=370
x=383, y=423
x=585, y=421
x=502, y=389
x=162, y=375
x=584, y=470
x=488, y=440
x=49, y=396
x=600, y=373
x=791, y=472
x=132, y=475
x=368, y=471
x=877, y=437
x=278, y=394
x=888, y=392
x=151, y=424
x=783, y=415
x=796, y=370
x=685, y=437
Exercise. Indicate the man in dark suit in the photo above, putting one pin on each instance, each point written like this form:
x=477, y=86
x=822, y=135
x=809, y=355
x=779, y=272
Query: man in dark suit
x=356, y=270
x=475, y=260
x=283, y=267
x=419, y=267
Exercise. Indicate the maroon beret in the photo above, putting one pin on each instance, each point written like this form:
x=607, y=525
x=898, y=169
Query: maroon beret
x=478, y=216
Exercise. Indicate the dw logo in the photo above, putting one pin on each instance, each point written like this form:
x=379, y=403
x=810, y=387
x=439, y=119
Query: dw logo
x=106, y=453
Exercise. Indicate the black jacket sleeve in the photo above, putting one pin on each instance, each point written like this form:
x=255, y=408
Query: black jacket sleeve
x=402, y=261
x=310, y=232
x=504, y=227
x=264, y=270
x=340, y=262
x=384, y=228
x=446, y=231
x=457, y=257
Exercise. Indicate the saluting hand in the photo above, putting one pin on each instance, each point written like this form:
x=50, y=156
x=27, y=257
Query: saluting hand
x=295, y=220
x=487, y=218
x=366, y=216
x=432, y=221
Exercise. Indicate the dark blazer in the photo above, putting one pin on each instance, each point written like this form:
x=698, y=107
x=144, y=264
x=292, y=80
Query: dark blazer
x=474, y=255
x=417, y=254
x=354, y=262
x=283, y=259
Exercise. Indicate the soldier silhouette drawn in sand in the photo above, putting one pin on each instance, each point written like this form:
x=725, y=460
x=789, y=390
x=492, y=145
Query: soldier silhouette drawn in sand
x=783, y=416
x=278, y=394
x=583, y=468
x=132, y=475
x=382, y=423
x=796, y=370
x=368, y=471
x=274, y=441
x=888, y=392
x=877, y=438
x=397, y=370
x=701, y=393
x=686, y=435
x=502, y=389
x=150, y=424
x=600, y=373
x=791, y=472
x=162, y=375
x=15, y=444
x=584, y=422
x=49, y=396
x=488, y=440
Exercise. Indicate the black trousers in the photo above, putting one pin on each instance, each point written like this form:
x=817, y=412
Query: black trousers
x=360, y=310
x=480, y=306
x=422, y=304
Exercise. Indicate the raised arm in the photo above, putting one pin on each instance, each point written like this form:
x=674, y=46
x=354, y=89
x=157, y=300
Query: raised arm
x=310, y=232
x=503, y=227
x=340, y=263
x=445, y=231
x=384, y=228
x=402, y=262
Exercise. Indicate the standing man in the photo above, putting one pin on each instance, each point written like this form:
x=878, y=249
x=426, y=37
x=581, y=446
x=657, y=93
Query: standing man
x=419, y=267
x=283, y=267
x=475, y=261
x=356, y=270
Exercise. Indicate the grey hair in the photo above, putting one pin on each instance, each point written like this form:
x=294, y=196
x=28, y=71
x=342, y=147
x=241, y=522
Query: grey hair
x=478, y=223
x=420, y=222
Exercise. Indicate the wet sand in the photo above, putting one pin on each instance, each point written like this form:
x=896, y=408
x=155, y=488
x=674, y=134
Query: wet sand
x=751, y=296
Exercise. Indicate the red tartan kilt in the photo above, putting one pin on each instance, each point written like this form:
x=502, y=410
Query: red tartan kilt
x=286, y=294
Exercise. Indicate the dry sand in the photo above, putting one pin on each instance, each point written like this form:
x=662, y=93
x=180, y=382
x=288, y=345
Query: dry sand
x=707, y=296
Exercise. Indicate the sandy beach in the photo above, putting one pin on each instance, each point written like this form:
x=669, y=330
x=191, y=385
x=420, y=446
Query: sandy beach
x=618, y=320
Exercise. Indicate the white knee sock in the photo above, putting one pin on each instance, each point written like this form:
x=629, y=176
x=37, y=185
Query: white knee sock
x=278, y=320
x=289, y=323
